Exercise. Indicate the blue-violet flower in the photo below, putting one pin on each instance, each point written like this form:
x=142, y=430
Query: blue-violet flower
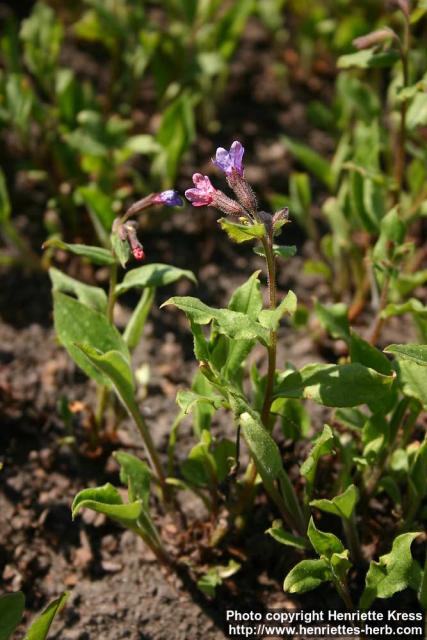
x=170, y=198
x=230, y=161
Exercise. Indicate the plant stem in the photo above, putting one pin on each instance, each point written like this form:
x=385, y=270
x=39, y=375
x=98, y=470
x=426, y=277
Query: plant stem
x=103, y=390
x=352, y=537
x=149, y=445
x=400, y=157
x=379, y=320
x=272, y=348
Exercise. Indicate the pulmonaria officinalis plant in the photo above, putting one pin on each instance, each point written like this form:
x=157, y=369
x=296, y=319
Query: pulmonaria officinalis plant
x=364, y=392
x=84, y=314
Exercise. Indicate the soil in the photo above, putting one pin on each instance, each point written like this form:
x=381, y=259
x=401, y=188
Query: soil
x=117, y=589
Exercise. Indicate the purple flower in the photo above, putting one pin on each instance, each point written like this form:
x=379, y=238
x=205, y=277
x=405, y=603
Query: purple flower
x=203, y=193
x=230, y=161
x=170, y=198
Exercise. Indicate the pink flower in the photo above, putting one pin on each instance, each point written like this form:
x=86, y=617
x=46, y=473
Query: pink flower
x=138, y=253
x=203, y=193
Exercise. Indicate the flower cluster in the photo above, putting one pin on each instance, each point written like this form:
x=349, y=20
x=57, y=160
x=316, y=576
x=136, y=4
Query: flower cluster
x=125, y=229
x=231, y=163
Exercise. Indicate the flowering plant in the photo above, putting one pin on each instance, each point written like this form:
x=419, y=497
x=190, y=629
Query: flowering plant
x=227, y=473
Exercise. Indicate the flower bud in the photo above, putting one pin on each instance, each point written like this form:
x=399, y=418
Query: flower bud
x=374, y=38
x=243, y=191
x=227, y=205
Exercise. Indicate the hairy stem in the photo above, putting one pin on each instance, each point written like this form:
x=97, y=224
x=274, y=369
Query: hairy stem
x=400, y=157
x=103, y=390
x=272, y=348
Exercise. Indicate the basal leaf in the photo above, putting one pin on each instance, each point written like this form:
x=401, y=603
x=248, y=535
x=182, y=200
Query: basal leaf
x=11, y=610
x=136, y=474
x=115, y=367
x=393, y=572
x=107, y=500
x=368, y=355
x=93, y=297
x=325, y=544
x=341, y=505
x=279, y=534
x=75, y=322
x=322, y=446
x=307, y=575
x=40, y=627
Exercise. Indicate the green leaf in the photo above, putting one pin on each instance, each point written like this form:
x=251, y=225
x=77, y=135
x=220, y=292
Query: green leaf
x=11, y=610
x=40, y=627
x=247, y=298
x=153, y=275
x=279, y=534
x=5, y=206
x=412, y=305
x=270, y=318
x=307, y=575
x=241, y=232
x=342, y=505
x=334, y=318
x=121, y=248
x=325, y=544
x=136, y=474
x=295, y=419
x=99, y=205
x=233, y=324
x=393, y=572
x=188, y=400
x=115, y=367
x=322, y=446
x=347, y=385
x=263, y=448
x=107, y=500
x=415, y=352
x=363, y=352
x=312, y=161
x=75, y=322
x=215, y=576
x=93, y=297
x=413, y=379
x=284, y=251
x=97, y=255
x=368, y=58
x=135, y=327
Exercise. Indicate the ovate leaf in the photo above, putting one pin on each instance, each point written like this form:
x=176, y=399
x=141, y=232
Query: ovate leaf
x=307, y=575
x=279, y=534
x=75, y=322
x=107, y=500
x=270, y=318
x=325, y=544
x=93, y=297
x=342, y=505
x=322, y=446
x=393, y=572
x=414, y=352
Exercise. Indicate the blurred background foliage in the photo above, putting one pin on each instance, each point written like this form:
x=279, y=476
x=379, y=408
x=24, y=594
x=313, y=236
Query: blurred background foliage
x=102, y=101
